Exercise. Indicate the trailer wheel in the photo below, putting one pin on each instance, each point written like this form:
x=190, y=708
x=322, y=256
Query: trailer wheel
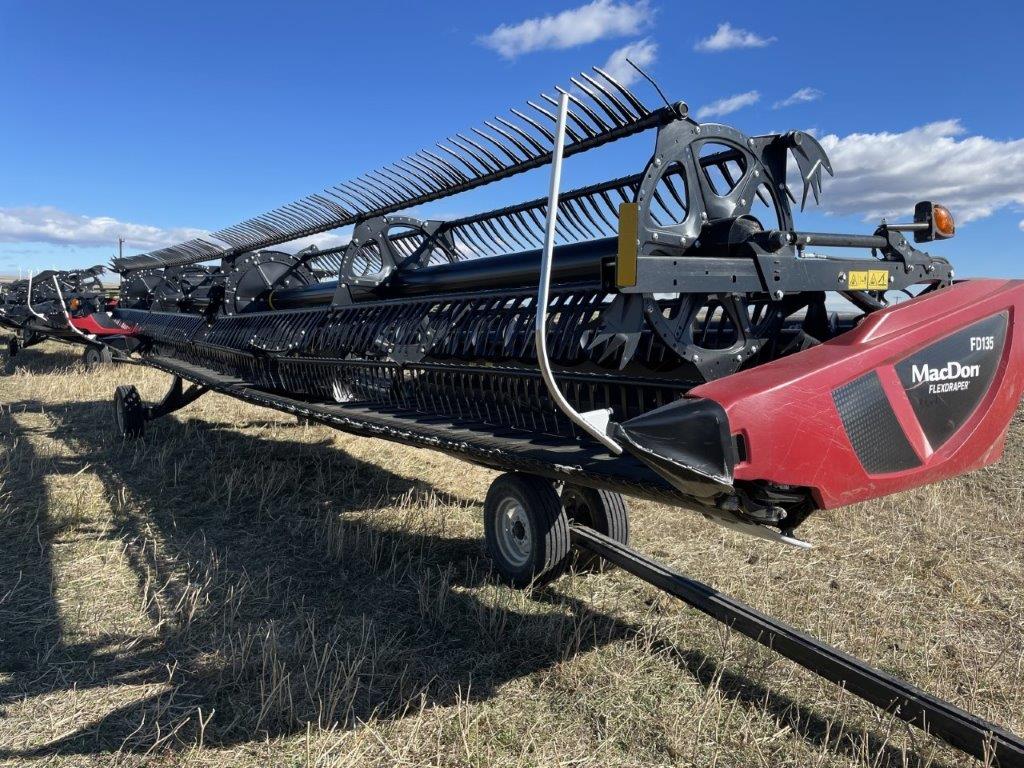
x=129, y=412
x=95, y=355
x=604, y=511
x=526, y=530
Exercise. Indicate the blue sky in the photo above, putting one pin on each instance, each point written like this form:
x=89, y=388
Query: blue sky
x=160, y=120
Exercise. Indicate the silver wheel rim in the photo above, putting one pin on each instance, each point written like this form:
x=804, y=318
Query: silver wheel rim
x=514, y=532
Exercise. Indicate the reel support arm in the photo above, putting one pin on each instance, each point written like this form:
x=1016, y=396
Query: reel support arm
x=67, y=315
x=28, y=300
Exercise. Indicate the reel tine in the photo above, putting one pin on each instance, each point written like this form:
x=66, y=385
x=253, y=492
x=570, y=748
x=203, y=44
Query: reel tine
x=499, y=165
x=399, y=192
x=379, y=197
x=446, y=165
x=382, y=191
x=313, y=203
x=504, y=150
x=579, y=203
x=570, y=132
x=571, y=218
x=527, y=154
x=622, y=108
x=516, y=159
x=282, y=219
x=370, y=201
x=667, y=178
x=592, y=200
x=411, y=169
x=404, y=186
x=502, y=221
x=427, y=173
x=487, y=167
x=583, y=124
x=486, y=244
x=466, y=236
x=601, y=109
x=638, y=105
x=537, y=126
x=338, y=210
x=348, y=199
x=303, y=213
x=594, y=117
x=231, y=240
x=364, y=204
x=477, y=173
x=536, y=147
x=536, y=237
x=488, y=225
x=515, y=222
x=538, y=224
x=612, y=114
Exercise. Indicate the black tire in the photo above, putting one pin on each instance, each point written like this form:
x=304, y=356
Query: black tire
x=12, y=346
x=526, y=530
x=604, y=511
x=129, y=412
x=95, y=355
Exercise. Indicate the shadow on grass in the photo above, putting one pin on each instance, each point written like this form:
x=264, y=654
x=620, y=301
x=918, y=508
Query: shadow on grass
x=277, y=599
x=49, y=358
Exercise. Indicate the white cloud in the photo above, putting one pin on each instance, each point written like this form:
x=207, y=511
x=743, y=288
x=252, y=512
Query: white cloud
x=322, y=241
x=884, y=174
x=642, y=53
x=577, y=26
x=727, y=37
x=728, y=105
x=799, y=97
x=1021, y=225
x=46, y=224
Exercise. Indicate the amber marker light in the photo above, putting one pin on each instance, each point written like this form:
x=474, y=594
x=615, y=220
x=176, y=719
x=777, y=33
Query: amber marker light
x=943, y=222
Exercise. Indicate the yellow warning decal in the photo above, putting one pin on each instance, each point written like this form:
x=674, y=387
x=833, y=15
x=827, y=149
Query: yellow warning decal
x=625, y=264
x=878, y=279
x=858, y=281
x=868, y=280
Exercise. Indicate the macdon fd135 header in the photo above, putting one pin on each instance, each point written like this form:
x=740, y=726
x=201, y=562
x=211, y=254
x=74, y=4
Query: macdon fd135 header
x=668, y=334
x=694, y=349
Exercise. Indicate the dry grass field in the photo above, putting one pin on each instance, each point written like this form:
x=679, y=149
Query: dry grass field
x=238, y=589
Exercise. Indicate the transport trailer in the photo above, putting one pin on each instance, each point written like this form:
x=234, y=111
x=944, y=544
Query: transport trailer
x=669, y=334
x=70, y=306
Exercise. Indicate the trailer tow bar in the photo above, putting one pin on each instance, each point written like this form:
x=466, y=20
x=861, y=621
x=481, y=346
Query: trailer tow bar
x=943, y=720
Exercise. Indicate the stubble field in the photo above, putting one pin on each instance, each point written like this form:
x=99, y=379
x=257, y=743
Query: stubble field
x=241, y=590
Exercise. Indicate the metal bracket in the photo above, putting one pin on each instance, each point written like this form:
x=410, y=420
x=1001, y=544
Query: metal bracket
x=175, y=399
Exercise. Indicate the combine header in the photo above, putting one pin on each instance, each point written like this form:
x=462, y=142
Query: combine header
x=669, y=334
x=69, y=306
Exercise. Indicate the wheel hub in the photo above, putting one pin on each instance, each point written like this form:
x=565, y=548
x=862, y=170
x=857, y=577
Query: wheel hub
x=514, y=532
